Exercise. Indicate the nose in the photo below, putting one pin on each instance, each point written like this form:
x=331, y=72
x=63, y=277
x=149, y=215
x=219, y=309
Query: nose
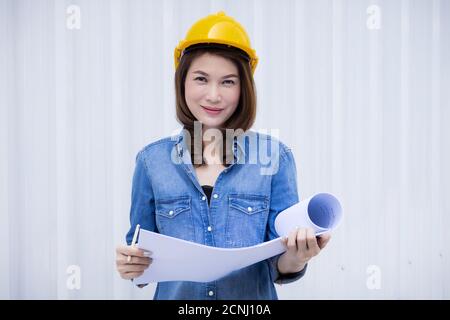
x=213, y=95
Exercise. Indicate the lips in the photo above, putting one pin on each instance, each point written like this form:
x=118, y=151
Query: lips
x=212, y=108
x=212, y=111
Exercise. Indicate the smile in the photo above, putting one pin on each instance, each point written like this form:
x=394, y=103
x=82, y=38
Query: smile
x=212, y=111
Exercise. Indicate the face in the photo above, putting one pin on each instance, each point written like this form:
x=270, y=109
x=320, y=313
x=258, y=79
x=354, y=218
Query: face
x=212, y=89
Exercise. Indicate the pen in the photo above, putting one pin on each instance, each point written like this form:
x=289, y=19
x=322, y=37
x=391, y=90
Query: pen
x=133, y=242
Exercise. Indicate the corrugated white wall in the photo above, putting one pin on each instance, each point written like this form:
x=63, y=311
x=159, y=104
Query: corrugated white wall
x=358, y=89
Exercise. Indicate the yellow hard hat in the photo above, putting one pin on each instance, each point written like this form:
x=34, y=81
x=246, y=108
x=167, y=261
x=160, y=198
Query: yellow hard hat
x=219, y=29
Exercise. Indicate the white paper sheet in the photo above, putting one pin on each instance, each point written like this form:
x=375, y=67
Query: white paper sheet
x=179, y=260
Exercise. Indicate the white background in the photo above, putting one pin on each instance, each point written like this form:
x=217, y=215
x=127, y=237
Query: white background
x=362, y=99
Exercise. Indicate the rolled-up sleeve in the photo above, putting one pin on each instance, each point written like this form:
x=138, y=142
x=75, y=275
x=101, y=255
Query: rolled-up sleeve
x=142, y=200
x=284, y=194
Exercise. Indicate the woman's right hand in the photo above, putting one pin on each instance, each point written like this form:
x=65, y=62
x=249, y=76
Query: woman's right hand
x=140, y=260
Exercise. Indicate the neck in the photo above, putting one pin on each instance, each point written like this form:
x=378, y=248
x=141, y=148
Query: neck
x=208, y=140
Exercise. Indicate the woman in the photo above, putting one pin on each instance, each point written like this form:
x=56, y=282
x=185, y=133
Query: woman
x=207, y=184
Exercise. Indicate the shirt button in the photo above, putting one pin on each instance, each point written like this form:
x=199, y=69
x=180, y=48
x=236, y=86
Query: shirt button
x=215, y=195
x=203, y=198
x=211, y=293
x=170, y=212
x=209, y=228
x=249, y=209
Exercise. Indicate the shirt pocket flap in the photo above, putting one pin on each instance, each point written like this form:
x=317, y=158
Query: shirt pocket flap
x=249, y=204
x=171, y=207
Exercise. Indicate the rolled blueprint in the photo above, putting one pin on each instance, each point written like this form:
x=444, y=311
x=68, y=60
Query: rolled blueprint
x=201, y=263
x=321, y=212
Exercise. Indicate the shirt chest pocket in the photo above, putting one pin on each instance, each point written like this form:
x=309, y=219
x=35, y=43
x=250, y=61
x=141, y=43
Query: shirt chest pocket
x=246, y=219
x=174, y=217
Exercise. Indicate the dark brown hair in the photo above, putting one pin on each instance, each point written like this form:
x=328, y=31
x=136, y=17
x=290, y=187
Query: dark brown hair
x=245, y=113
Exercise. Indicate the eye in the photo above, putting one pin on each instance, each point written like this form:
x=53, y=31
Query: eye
x=200, y=79
x=229, y=82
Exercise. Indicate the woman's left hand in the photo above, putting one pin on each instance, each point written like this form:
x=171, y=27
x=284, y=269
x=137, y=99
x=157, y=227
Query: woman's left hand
x=301, y=244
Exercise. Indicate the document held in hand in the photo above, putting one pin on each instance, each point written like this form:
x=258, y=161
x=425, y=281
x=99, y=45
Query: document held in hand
x=180, y=260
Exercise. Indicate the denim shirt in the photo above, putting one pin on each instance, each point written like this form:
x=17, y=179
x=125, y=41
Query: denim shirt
x=260, y=182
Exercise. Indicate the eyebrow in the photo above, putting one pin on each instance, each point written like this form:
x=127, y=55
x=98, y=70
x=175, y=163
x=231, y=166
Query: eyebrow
x=205, y=74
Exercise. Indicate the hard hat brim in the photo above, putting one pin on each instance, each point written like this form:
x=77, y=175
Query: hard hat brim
x=186, y=46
